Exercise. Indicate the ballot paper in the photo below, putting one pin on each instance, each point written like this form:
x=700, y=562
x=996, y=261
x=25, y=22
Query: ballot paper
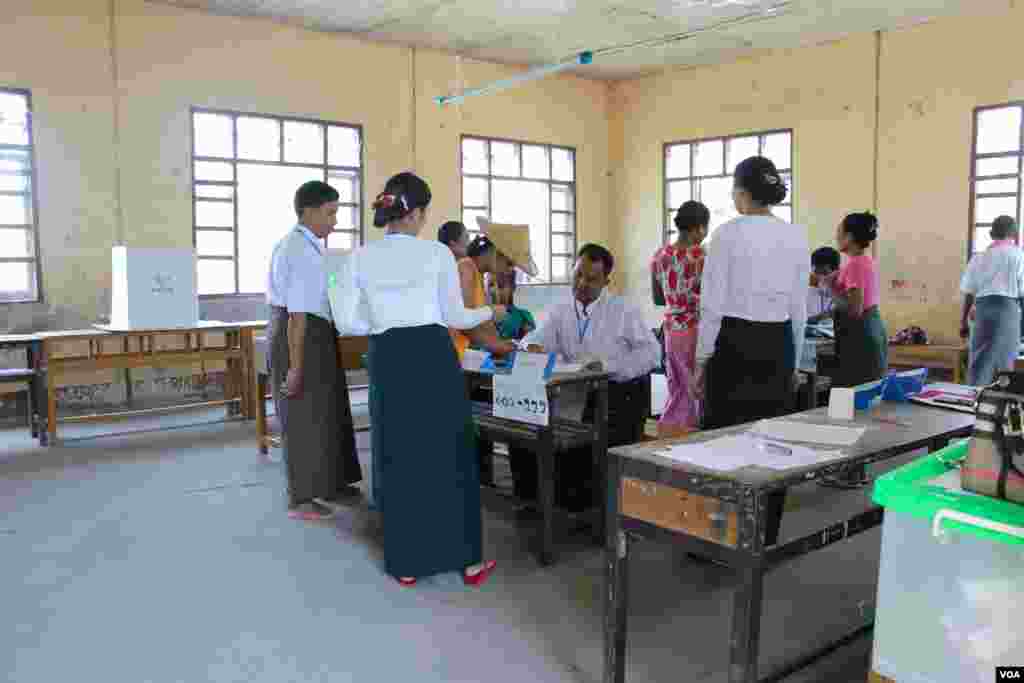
x=530, y=367
x=566, y=368
x=473, y=360
x=727, y=453
x=808, y=432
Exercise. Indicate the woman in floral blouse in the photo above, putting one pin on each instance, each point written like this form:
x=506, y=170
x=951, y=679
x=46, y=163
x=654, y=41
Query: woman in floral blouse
x=675, y=281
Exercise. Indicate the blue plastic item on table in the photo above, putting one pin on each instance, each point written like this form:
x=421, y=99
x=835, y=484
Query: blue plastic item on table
x=864, y=395
x=503, y=366
x=900, y=386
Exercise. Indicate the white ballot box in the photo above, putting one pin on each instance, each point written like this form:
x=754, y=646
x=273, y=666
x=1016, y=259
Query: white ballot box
x=153, y=289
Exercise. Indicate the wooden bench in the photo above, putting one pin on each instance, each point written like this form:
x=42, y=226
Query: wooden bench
x=23, y=376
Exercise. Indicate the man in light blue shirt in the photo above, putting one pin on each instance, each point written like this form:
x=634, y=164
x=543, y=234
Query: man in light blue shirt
x=993, y=285
x=309, y=388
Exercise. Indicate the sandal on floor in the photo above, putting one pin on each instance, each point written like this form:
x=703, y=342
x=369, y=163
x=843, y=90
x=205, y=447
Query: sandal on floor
x=480, y=578
x=311, y=512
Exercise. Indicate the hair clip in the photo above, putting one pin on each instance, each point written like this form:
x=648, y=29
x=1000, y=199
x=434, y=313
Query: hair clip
x=772, y=179
x=384, y=201
x=405, y=204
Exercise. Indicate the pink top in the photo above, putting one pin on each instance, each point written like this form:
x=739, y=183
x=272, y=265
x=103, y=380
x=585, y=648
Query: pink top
x=860, y=272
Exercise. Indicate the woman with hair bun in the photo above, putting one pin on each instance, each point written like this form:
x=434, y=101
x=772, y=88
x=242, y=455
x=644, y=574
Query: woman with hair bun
x=675, y=283
x=405, y=293
x=753, y=310
x=862, y=345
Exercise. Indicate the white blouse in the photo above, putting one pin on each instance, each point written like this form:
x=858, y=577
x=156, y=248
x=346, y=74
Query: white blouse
x=756, y=269
x=401, y=281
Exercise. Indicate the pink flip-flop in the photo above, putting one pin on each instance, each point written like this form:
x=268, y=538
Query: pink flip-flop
x=480, y=578
x=309, y=516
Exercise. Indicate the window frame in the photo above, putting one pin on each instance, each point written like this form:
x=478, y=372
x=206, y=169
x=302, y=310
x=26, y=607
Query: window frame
x=358, y=207
x=551, y=183
x=8, y=298
x=667, y=226
x=973, y=178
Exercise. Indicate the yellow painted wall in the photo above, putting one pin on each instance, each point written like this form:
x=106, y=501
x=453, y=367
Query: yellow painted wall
x=562, y=110
x=826, y=94
x=170, y=59
x=932, y=78
x=59, y=50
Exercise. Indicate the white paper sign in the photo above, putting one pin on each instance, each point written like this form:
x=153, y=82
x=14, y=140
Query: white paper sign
x=521, y=400
x=841, y=404
x=529, y=367
x=472, y=359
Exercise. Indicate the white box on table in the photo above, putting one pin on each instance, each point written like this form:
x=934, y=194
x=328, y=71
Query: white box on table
x=153, y=288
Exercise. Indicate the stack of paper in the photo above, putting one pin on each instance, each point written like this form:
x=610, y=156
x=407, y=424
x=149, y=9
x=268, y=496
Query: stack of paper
x=728, y=453
x=809, y=432
x=949, y=396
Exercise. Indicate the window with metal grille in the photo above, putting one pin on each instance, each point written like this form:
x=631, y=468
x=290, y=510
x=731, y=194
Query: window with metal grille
x=995, y=171
x=702, y=170
x=524, y=183
x=19, y=234
x=245, y=170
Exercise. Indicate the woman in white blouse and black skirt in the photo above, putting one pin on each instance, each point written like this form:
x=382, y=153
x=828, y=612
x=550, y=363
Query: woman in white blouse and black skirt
x=753, y=311
x=405, y=294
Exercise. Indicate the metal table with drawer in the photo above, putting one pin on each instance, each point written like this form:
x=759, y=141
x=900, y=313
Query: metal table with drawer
x=721, y=515
x=547, y=442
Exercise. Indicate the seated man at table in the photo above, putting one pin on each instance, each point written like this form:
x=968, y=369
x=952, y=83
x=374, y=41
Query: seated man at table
x=602, y=331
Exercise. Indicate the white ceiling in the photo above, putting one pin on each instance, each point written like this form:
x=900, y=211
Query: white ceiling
x=544, y=31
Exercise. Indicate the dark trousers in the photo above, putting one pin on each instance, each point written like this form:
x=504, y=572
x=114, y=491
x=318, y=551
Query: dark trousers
x=629, y=405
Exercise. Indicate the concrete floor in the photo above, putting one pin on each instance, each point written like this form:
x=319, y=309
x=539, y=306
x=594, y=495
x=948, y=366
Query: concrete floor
x=166, y=555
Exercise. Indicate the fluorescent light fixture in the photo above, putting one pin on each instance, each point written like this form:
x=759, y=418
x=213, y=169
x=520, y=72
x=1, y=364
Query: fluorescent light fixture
x=531, y=75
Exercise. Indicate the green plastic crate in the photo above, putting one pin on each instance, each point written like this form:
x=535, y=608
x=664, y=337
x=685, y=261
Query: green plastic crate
x=906, y=490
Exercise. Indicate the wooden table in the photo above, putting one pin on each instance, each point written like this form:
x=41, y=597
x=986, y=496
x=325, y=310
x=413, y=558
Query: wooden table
x=547, y=442
x=90, y=350
x=934, y=356
x=910, y=356
x=721, y=515
x=31, y=344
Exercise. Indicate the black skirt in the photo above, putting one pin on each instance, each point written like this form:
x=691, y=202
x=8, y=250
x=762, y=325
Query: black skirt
x=426, y=471
x=862, y=349
x=750, y=375
x=750, y=378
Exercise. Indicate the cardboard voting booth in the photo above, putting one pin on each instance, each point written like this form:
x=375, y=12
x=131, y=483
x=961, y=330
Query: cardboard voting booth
x=153, y=289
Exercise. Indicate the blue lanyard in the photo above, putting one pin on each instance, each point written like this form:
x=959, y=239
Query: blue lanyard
x=308, y=239
x=582, y=324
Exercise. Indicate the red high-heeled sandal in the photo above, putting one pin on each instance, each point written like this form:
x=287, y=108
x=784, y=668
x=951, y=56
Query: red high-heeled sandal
x=481, y=576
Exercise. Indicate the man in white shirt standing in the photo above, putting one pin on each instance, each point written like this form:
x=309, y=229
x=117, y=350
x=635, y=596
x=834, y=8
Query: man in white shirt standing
x=602, y=331
x=308, y=385
x=993, y=285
